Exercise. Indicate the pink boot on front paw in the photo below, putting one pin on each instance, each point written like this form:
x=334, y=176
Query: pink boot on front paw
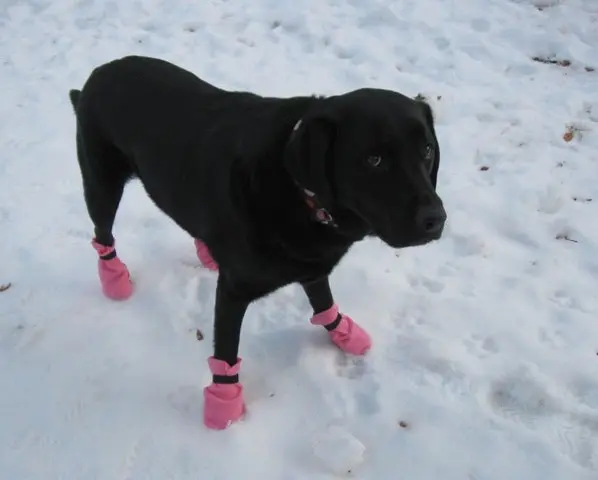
x=114, y=275
x=347, y=335
x=223, y=402
x=205, y=257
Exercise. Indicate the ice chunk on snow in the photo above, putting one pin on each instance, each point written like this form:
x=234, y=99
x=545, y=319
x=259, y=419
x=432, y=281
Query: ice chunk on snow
x=338, y=449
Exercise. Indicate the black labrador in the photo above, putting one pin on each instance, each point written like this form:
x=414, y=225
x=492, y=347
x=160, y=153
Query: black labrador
x=273, y=190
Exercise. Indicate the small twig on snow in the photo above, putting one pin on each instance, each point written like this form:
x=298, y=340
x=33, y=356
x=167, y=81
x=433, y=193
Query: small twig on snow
x=564, y=236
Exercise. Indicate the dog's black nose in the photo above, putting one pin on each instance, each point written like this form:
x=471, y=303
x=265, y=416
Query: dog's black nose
x=433, y=224
x=431, y=220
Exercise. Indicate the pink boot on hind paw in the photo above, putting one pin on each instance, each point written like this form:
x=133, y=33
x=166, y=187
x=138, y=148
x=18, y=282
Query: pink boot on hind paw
x=223, y=402
x=114, y=275
x=205, y=257
x=347, y=335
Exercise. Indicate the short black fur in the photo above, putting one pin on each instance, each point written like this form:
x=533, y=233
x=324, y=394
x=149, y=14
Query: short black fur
x=232, y=169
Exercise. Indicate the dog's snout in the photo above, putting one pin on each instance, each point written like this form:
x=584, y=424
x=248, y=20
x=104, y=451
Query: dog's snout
x=430, y=219
x=433, y=224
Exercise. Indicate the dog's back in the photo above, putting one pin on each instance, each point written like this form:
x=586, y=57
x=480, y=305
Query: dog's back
x=155, y=120
x=180, y=135
x=134, y=98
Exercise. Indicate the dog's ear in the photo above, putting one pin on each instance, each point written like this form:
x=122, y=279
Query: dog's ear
x=429, y=118
x=308, y=158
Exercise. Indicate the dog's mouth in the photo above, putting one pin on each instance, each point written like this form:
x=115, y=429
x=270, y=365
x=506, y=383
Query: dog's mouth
x=397, y=236
x=403, y=242
x=404, y=232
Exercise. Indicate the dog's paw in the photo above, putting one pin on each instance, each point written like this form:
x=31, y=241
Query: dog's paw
x=223, y=402
x=347, y=335
x=350, y=337
x=113, y=273
x=223, y=405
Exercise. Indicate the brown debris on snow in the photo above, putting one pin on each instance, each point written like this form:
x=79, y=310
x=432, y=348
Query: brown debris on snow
x=564, y=236
x=560, y=62
x=568, y=135
x=553, y=61
x=574, y=131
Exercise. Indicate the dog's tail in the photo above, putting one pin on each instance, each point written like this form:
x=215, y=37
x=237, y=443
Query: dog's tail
x=74, y=96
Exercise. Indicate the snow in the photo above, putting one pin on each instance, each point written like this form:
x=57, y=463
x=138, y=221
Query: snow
x=484, y=363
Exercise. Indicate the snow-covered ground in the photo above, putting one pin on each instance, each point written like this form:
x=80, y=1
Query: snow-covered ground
x=484, y=364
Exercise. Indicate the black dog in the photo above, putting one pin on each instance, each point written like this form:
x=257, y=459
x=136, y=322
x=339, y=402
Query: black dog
x=274, y=190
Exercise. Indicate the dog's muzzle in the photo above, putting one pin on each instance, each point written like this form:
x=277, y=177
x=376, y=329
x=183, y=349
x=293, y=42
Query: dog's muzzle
x=430, y=220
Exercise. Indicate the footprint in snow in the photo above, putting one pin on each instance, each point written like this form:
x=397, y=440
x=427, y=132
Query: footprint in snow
x=366, y=387
x=551, y=337
x=585, y=390
x=187, y=401
x=551, y=200
x=77, y=233
x=480, y=346
x=75, y=407
x=442, y=43
x=130, y=460
x=467, y=245
x=433, y=286
x=3, y=214
x=350, y=367
x=21, y=336
x=480, y=25
x=193, y=296
x=521, y=399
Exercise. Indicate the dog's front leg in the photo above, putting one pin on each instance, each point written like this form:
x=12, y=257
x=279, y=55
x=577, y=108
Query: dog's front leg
x=223, y=399
x=342, y=329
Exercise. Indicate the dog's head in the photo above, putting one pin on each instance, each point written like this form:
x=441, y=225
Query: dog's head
x=375, y=153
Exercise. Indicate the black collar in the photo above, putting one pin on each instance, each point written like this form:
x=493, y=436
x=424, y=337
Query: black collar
x=319, y=213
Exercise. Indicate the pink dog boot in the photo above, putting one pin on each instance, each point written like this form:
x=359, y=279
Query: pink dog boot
x=343, y=331
x=203, y=253
x=114, y=275
x=223, y=402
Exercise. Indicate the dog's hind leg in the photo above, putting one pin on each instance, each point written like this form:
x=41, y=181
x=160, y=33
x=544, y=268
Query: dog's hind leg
x=342, y=329
x=104, y=171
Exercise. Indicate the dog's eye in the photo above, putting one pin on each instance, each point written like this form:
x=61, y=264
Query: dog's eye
x=428, y=152
x=374, y=161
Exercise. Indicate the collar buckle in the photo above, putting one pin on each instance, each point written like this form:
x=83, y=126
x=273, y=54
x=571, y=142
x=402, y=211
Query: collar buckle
x=321, y=215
